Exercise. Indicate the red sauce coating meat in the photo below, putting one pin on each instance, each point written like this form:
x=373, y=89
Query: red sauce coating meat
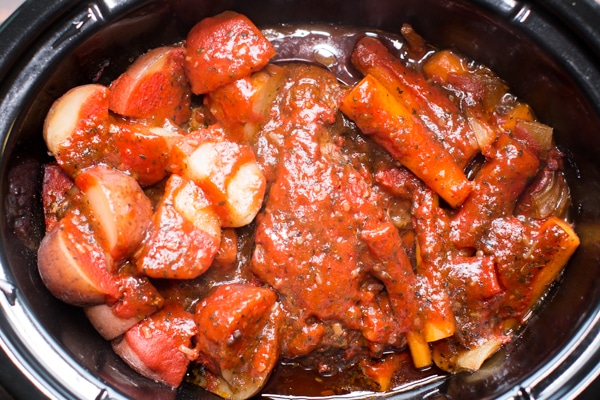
x=324, y=234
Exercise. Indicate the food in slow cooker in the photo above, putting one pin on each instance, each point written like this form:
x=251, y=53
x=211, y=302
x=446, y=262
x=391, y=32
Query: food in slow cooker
x=218, y=213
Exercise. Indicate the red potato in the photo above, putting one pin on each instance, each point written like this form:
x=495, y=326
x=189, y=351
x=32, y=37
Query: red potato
x=106, y=323
x=225, y=170
x=142, y=150
x=75, y=129
x=238, y=339
x=72, y=265
x=159, y=347
x=153, y=87
x=222, y=49
x=138, y=299
x=118, y=209
x=243, y=106
x=184, y=235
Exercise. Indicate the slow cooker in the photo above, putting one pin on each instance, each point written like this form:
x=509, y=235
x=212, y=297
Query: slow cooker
x=548, y=51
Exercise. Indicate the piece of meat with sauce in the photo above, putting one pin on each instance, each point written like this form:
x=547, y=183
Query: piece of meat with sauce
x=325, y=242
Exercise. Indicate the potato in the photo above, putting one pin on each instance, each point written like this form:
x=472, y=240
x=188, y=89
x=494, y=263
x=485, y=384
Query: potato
x=153, y=87
x=119, y=210
x=72, y=265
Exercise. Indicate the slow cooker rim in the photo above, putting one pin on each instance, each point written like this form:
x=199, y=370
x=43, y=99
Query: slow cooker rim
x=24, y=35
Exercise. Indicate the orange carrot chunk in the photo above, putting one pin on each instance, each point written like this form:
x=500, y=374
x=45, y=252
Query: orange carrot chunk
x=427, y=101
x=377, y=112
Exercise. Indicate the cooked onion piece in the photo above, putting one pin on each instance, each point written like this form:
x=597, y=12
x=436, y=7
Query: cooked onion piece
x=153, y=87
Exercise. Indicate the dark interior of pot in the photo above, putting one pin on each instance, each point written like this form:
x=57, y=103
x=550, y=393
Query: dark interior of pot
x=551, y=79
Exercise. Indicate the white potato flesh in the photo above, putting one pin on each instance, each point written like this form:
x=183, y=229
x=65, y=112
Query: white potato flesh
x=204, y=163
x=119, y=209
x=234, y=184
x=192, y=204
x=245, y=192
x=80, y=107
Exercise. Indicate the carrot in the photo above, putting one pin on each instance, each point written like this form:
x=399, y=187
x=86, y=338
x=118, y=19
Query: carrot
x=443, y=63
x=419, y=349
x=377, y=112
x=410, y=88
x=557, y=243
x=431, y=227
x=496, y=189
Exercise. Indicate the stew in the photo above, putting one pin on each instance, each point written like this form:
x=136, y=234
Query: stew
x=224, y=216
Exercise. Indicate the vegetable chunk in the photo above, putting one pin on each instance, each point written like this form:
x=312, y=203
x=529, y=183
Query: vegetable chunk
x=159, y=347
x=118, y=209
x=376, y=112
x=76, y=127
x=154, y=87
x=238, y=339
x=222, y=49
x=73, y=266
x=184, y=235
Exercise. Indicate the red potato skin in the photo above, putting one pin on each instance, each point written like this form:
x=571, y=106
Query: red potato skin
x=154, y=87
x=130, y=208
x=222, y=49
x=106, y=323
x=74, y=268
x=153, y=347
x=195, y=249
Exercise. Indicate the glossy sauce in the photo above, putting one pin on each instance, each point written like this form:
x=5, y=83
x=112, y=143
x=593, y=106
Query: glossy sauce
x=324, y=174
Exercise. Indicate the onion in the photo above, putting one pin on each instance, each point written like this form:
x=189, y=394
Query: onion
x=484, y=133
x=550, y=196
x=540, y=133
